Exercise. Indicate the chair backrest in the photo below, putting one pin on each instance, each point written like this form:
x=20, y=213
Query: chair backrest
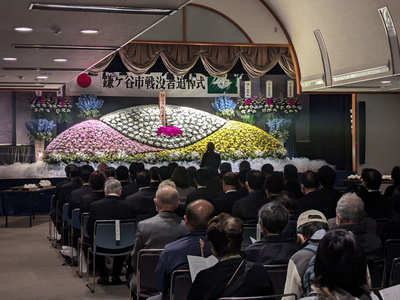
x=277, y=273
x=180, y=284
x=65, y=217
x=376, y=271
x=395, y=272
x=106, y=234
x=52, y=202
x=84, y=221
x=76, y=223
x=146, y=265
x=249, y=230
x=391, y=251
x=290, y=296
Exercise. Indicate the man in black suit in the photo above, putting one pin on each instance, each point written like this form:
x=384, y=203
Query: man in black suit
x=328, y=193
x=224, y=203
x=291, y=181
x=376, y=205
x=112, y=207
x=131, y=187
x=211, y=158
x=143, y=199
x=85, y=189
x=122, y=175
x=66, y=190
x=309, y=183
x=273, y=186
x=247, y=207
x=201, y=178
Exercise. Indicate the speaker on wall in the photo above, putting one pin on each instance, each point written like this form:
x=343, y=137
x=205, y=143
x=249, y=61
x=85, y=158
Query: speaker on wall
x=361, y=132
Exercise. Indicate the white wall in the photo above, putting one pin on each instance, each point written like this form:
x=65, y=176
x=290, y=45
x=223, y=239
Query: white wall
x=382, y=151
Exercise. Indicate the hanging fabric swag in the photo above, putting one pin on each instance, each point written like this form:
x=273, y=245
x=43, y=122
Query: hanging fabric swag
x=217, y=60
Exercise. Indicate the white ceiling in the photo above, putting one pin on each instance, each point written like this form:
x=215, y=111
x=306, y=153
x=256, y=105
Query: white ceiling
x=114, y=30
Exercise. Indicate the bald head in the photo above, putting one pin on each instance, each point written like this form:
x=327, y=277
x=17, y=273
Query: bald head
x=198, y=213
x=167, y=198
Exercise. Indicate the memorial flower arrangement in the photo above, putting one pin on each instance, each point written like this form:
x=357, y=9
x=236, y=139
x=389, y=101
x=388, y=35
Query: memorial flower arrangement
x=169, y=130
x=92, y=140
x=89, y=106
x=62, y=109
x=224, y=106
x=40, y=129
x=141, y=123
x=247, y=109
x=279, y=128
x=48, y=107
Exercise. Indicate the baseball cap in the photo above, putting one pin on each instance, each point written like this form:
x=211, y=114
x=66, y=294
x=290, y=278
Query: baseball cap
x=311, y=215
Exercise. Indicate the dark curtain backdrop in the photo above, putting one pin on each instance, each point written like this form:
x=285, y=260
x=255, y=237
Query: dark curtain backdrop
x=330, y=130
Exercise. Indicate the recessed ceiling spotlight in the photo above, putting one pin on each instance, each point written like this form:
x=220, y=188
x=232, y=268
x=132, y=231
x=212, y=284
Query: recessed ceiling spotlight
x=23, y=29
x=89, y=31
x=60, y=59
x=9, y=58
x=41, y=77
x=386, y=81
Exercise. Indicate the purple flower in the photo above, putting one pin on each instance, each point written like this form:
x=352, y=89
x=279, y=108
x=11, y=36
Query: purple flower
x=169, y=130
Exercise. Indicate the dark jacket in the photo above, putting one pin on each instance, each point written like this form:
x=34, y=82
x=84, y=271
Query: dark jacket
x=109, y=208
x=174, y=257
x=65, y=193
x=370, y=242
x=376, y=205
x=330, y=196
x=225, y=202
x=76, y=197
x=211, y=159
x=247, y=207
x=201, y=193
x=210, y=283
x=87, y=201
x=293, y=187
x=143, y=200
x=129, y=189
x=272, y=250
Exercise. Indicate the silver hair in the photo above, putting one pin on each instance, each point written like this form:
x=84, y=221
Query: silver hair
x=350, y=208
x=112, y=186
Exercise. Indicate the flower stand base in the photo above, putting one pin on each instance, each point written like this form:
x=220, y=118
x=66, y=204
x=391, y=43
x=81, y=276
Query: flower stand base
x=39, y=150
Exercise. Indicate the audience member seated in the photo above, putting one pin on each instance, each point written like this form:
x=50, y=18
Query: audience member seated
x=288, y=200
x=268, y=170
x=143, y=198
x=224, y=203
x=341, y=268
x=376, y=205
x=122, y=175
x=192, y=173
x=391, y=229
x=156, y=232
x=164, y=173
x=311, y=227
x=273, y=186
x=309, y=183
x=327, y=192
x=244, y=165
x=181, y=179
x=202, y=179
x=110, y=172
x=242, y=182
x=231, y=276
x=85, y=189
x=66, y=189
x=211, y=158
x=172, y=167
x=112, y=207
x=247, y=208
x=96, y=181
x=274, y=248
x=101, y=167
x=131, y=187
x=225, y=167
x=349, y=213
x=291, y=181
x=395, y=174
x=193, y=242
x=154, y=178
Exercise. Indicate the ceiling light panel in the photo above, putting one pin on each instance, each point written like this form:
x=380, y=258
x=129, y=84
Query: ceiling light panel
x=101, y=9
x=23, y=29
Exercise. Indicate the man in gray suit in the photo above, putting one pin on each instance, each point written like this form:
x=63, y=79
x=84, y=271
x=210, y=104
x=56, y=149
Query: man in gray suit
x=156, y=232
